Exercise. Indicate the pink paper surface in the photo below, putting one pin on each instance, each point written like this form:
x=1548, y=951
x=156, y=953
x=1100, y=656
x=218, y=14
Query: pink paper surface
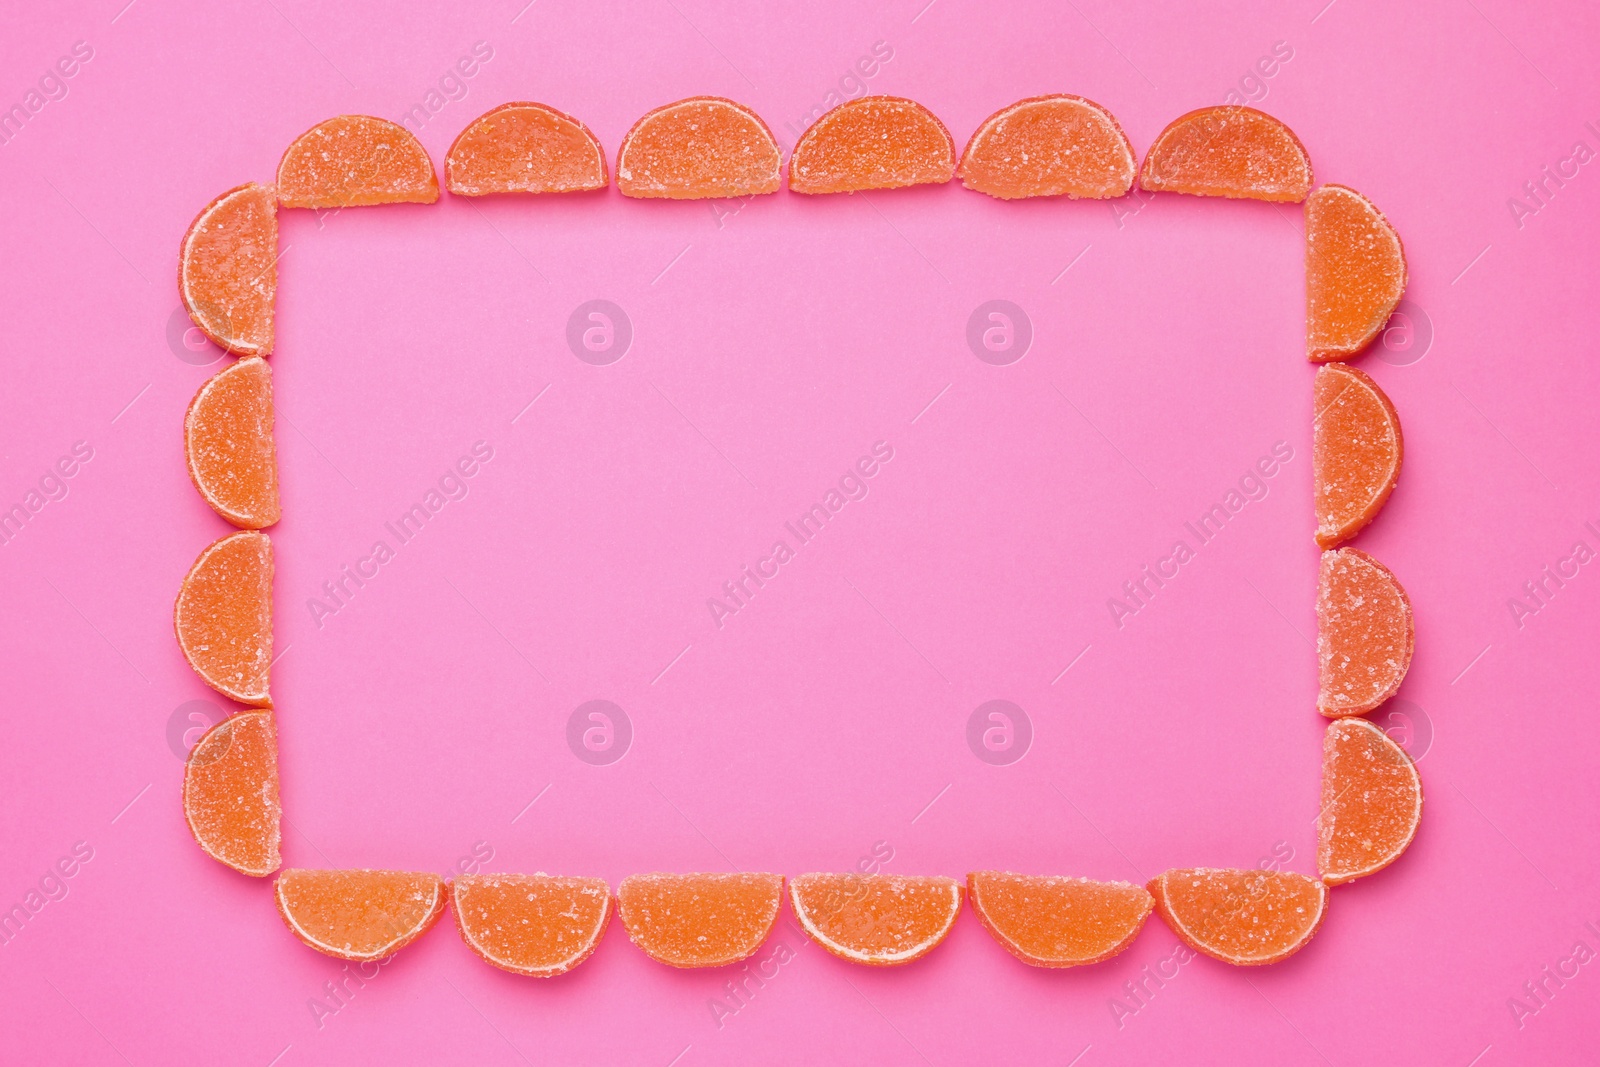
x=825, y=724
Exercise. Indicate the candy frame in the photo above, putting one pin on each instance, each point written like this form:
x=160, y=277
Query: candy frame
x=673, y=152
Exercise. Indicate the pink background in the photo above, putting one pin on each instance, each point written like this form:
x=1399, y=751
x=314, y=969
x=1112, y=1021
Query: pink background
x=773, y=345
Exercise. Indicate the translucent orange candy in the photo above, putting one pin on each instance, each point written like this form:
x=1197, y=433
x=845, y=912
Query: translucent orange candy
x=524, y=148
x=1371, y=801
x=230, y=793
x=1058, y=922
x=227, y=436
x=359, y=915
x=875, y=142
x=1049, y=146
x=1365, y=633
x=1246, y=918
x=698, y=149
x=1355, y=273
x=1231, y=151
x=228, y=269
x=881, y=920
x=532, y=924
x=699, y=920
x=1356, y=451
x=224, y=616
x=354, y=161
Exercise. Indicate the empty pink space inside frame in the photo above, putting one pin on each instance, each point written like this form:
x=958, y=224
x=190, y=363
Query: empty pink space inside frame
x=623, y=509
x=424, y=723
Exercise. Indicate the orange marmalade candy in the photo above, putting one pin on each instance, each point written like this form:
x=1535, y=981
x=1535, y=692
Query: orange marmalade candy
x=227, y=436
x=1049, y=146
x=230, y=793
x=697, y=149
x=881, y=920
x=1058, y=922
x=224, y=616
x=1355, y=272
x=532, y=924
x=228, y=269
x=353, y=161
x=699, y=920
x=1247, y=918
x=875, y=142
x=524, y=148
x=1371, y=801
x=1365, y=633
x=359, y=915
x=1231, y=151
x=1356, y=451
